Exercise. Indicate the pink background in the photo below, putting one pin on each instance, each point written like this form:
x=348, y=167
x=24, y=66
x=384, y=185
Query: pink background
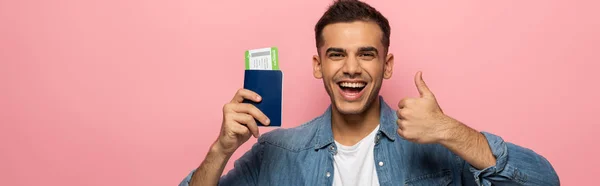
x=117, y=92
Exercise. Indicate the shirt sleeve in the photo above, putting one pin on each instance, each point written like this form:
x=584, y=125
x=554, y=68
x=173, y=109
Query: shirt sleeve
x=515, y=165
x=245, y=169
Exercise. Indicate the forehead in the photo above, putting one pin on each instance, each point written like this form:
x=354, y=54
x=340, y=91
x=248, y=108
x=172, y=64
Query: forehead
x=352, y=35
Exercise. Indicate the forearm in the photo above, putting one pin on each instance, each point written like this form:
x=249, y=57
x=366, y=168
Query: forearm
x=211, y=168
x=487, y=159
x=469, y=144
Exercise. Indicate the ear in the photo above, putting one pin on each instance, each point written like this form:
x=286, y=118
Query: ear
x=317, y=67
x=388, y=66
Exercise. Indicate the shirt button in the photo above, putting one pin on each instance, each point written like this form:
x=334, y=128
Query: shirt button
x=328, y=175
x=381, y=163
x=331, y=147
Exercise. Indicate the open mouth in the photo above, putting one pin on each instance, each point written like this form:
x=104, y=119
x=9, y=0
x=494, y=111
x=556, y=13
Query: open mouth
x=351, y=90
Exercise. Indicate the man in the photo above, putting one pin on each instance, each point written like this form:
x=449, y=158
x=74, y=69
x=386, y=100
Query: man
x=360, y=140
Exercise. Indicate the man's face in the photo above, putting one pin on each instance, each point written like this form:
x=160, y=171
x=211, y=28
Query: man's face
x=352, y=63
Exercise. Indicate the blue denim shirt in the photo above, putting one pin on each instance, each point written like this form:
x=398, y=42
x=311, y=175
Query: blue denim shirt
x=304, y=156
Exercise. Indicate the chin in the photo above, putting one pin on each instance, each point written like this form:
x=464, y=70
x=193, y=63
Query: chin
x=350, y=108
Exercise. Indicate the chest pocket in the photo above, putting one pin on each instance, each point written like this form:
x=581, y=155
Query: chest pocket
x=442, y=178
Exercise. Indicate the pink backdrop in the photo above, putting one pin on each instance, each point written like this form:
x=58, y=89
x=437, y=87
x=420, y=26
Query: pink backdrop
x=117, y=92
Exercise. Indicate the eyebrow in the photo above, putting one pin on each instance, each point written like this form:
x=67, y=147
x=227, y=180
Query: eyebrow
x=361, y=49
x=368, y=49
x=331, y=49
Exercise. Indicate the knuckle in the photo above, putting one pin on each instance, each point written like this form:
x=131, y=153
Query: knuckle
x=404, y=112
x=403, y=100
x=239, y=91
x=244, y=130
x=249, y=119
x=251, y=108
x=226, y=107
x=247, y=107
x=401, y=122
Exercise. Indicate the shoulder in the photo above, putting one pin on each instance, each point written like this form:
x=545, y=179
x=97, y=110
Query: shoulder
x=294, y=139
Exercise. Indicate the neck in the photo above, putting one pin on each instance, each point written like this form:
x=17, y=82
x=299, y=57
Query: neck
x=349, y=129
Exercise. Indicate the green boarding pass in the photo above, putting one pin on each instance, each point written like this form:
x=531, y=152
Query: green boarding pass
x=262, y=59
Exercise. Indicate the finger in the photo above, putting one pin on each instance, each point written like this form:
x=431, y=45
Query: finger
x=401, y=133
x=243, y=94
x=253, y=111
x=405, y=102
x=402, y=103
x=404, y=113
x=421, y=86
x=401, y=124
x=399, y=114
x=247, y=121
x=241, y=130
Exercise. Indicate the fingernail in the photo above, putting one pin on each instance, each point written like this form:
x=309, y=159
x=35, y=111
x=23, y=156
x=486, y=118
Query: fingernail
x=258, y=98
x=267, y=121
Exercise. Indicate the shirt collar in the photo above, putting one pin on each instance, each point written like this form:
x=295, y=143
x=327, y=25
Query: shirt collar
x=387, y=119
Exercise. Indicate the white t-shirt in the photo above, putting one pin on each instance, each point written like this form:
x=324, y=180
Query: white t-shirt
x=355, y=165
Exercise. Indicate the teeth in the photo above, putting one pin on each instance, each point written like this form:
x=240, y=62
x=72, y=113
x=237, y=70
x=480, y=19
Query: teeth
x=352, y=85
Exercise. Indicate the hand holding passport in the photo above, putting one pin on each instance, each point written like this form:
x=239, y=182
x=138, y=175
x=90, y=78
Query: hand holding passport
x=257, y=104
x=262, y=75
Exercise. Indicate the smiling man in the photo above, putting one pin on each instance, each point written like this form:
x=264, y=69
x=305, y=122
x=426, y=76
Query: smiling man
x=360, y=139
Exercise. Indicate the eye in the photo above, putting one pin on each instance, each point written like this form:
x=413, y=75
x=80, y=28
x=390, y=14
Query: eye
x=367, y=56
x=336, y=55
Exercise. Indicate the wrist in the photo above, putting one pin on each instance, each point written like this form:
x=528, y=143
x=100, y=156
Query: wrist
x=452, y=130
x=218, y=149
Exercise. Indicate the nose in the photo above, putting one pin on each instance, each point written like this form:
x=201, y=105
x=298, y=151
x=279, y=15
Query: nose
x=352, y=67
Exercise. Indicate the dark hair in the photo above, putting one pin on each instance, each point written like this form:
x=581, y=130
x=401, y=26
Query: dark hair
x=345, y=11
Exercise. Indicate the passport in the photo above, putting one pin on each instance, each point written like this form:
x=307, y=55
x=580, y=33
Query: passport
x=262, y=75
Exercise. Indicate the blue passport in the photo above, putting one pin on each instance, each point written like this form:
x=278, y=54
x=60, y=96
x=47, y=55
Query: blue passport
x=269, y=85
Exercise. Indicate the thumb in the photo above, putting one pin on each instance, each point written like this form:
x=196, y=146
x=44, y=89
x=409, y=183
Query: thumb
x=421, y=86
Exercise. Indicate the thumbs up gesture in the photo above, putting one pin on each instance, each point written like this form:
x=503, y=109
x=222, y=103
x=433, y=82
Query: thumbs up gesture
x=421, y=120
